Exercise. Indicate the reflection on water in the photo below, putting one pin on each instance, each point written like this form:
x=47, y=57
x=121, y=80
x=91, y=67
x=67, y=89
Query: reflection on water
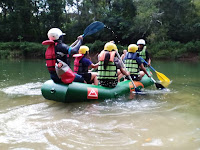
x=152, y=121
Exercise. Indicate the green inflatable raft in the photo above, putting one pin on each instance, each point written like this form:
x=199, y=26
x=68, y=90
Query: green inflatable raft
x=81, y=92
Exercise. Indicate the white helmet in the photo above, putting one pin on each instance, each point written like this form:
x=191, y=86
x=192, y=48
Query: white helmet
x=54, y=34
x=141, y=41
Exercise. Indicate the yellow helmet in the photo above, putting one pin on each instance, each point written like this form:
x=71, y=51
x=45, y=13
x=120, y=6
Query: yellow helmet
x=83, y=49
x=132, y=48
x=110, y=46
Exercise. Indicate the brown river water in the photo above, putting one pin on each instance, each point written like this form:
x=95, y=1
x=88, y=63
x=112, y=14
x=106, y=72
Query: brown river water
x=156, y=120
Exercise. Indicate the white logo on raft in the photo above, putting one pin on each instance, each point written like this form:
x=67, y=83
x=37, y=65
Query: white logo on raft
x=92, y=93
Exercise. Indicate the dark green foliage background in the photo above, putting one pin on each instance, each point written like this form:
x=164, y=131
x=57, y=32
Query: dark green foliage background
x=171, y=28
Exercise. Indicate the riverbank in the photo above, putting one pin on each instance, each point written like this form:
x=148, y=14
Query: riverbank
x=167, y=50
x=14, y=50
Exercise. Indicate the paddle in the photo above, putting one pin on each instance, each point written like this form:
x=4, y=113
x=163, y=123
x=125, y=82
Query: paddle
x=136, y=90
x=158, y=85
x=93, y=28
x=160, y=76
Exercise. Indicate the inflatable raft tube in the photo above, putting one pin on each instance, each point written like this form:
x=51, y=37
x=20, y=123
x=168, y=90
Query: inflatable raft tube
x=81, y=92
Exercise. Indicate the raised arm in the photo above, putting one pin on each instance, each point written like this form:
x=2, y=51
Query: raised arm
x=76, y=45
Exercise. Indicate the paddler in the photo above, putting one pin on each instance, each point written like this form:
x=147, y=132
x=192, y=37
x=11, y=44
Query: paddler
x=58, y=50
x=81, y=64
x=142, y=50
x=134, y=64
x=108, y=66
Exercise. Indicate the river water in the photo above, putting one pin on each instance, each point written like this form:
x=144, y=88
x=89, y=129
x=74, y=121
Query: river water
x=156, y=120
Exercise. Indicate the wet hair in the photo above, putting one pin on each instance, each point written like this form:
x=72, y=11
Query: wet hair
x=86, y=53
x=106, y=60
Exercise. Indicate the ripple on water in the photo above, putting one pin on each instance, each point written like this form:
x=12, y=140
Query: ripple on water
x=146, y=121
x=119, y=107
x=24, y=89
x=18, y=126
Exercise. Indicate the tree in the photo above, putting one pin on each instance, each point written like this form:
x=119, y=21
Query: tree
x=126, y=20
x=147, y=23
x=178, y=18
x=119, y=18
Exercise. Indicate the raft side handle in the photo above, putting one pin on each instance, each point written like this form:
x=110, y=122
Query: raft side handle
x=52, y=90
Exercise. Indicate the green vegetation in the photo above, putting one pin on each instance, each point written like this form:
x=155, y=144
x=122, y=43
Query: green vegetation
x=175, y=50
x=21, y=50
x=162, y=50
x=170, y=27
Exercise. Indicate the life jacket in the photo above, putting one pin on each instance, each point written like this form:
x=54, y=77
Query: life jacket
x=111, y=70
x=142, y=53
x=131, y=63
x=50, y=55
x=65, y=73
x=62, y=51
x=78, y=57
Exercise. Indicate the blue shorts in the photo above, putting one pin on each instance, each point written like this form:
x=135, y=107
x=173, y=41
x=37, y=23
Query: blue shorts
x=87, y=77
x=55, y=77
x=78, y=78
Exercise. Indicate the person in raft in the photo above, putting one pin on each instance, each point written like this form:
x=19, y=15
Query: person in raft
x=57, y=50
x=124, y=54
x=133, y=63
x=108, y=66
x=82, y=63
x=142, y=50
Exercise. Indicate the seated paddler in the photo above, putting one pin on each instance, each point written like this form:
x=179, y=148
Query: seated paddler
x=82, y=63
x=108, y=66
x=134, y=64
x=57, y=50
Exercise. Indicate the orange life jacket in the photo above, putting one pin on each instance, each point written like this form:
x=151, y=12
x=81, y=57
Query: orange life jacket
x=102, y=55
x=110, y=72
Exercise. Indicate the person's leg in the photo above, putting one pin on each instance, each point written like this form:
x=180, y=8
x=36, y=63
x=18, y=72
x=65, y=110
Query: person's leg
x=141, y=74
x=55, y=77
x=119, y=74
x=96, y=82
x=94, y=78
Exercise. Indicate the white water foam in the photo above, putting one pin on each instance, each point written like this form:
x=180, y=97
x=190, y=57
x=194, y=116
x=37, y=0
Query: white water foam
x=24, y=89
x=153, y=92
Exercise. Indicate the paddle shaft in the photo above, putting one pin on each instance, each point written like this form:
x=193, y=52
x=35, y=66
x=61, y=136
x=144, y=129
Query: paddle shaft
x=126, y=69
x=159, y=86
x=153, y=80
x=160, y=76
x=83, y=35
x=147, y=64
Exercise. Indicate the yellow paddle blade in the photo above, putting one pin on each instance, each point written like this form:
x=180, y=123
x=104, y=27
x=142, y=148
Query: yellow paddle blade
x=165, y=84
x=162, y=77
